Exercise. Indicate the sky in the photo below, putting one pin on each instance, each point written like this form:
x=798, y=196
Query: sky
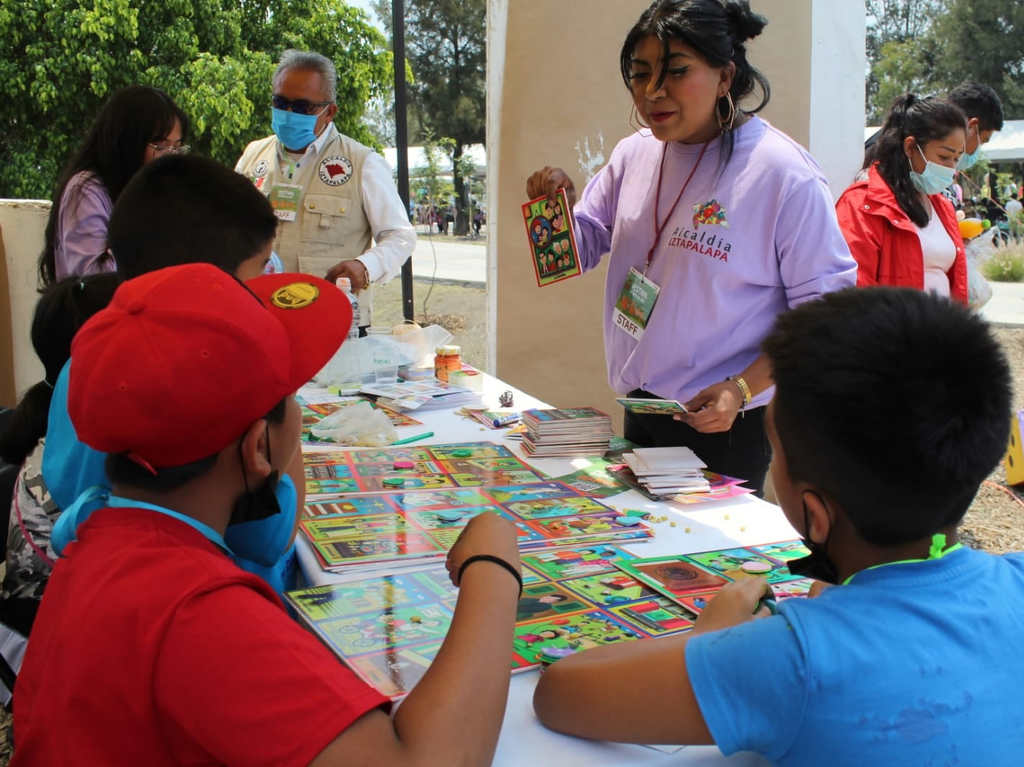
x=364, y=5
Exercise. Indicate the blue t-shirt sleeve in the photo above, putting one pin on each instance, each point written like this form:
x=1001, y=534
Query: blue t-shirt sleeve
x=750, y=684
x=69, y=466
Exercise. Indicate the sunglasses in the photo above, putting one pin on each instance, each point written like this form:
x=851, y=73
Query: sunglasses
x=298, y=106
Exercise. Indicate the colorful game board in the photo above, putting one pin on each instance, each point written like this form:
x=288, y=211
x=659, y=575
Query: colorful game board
x=389, y=628
x=470, y=464
x=552, y=240
x=417, y=527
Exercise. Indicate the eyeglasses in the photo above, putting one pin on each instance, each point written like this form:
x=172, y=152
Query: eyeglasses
x=298, y=106
x=160, y=149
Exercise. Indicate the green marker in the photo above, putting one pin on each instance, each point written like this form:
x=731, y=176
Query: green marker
x=415, y=438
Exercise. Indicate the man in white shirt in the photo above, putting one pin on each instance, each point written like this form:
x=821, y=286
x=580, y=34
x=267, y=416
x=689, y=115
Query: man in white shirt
x=334, y=197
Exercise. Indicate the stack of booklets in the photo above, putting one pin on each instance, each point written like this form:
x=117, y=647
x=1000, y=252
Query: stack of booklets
x=566, y=432
x=667, y=471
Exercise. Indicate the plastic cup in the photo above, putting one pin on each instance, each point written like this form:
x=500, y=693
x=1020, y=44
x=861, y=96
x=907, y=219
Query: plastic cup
x=387, y=374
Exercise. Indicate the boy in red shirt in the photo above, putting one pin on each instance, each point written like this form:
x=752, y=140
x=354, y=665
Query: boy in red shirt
x=150, y=646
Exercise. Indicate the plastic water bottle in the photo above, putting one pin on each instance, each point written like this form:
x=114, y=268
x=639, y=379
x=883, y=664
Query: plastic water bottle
x=345, y=285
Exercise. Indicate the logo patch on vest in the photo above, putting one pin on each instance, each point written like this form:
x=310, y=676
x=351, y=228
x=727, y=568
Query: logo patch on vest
x=335, y=171
x=260, y=170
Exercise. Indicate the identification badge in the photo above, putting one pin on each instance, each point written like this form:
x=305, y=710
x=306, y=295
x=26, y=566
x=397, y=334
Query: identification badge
x=285, y=200
x=635, y=304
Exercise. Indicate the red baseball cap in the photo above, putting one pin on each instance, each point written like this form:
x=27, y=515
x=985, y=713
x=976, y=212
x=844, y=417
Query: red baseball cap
x=184, y=359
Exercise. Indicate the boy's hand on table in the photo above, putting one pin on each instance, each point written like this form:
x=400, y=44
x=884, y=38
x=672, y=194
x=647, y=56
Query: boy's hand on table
x=736, y=603
x=488, y=533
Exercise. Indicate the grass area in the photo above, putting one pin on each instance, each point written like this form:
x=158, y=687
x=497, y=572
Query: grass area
x=461, y=310
x=1006, y=264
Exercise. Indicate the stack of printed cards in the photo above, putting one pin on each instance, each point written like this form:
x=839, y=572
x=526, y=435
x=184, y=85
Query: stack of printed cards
x=566, y=432
x=668, y=470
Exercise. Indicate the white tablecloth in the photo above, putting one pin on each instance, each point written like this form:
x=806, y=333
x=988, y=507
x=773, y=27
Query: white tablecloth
x=524, y=741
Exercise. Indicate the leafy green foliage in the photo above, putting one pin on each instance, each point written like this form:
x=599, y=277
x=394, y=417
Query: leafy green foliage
x=930, y=46
x=446, y=46
x=61, y=59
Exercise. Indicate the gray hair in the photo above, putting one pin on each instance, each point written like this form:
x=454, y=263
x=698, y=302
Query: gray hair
x=313, y=62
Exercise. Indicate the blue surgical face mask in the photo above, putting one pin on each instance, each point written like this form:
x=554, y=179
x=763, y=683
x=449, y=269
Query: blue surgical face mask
x=264, y=540
x=968, y=160
x=935, y=177
x=295, y=131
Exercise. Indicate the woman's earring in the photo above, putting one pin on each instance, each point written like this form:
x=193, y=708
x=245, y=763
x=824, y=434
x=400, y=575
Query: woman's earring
x=725, y=123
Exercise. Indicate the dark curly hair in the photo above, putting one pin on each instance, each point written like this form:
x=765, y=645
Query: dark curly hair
x=715, y=29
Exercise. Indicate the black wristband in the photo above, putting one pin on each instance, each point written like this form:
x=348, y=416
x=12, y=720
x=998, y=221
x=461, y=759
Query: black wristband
x=495, y=560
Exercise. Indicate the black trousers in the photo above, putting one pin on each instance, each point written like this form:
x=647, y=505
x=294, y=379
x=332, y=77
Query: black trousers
x=742, y=452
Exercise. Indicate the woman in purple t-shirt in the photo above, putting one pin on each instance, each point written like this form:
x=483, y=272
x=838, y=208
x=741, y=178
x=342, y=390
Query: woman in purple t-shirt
x=715, y=223
x=135, y=126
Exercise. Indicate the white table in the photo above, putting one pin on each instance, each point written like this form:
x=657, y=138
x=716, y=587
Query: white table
x=741, y=522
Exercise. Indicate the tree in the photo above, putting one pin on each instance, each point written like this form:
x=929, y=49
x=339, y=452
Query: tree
x=896, y=63
x=983, y=40
x=61, y=59
x=446, y=48
x=930, y=46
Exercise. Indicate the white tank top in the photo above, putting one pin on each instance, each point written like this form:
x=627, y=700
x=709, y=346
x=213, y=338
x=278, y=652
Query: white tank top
x=938, y=253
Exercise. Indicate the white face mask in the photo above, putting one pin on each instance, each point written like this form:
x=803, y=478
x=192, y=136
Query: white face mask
x=935, y=177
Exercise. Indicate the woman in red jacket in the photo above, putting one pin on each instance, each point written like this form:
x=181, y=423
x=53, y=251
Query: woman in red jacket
x=899, y=227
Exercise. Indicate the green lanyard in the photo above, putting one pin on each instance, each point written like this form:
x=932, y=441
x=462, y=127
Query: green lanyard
x=937, y=551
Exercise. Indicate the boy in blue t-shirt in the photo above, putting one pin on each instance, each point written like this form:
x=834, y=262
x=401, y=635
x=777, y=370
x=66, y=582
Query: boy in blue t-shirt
x=891, y=406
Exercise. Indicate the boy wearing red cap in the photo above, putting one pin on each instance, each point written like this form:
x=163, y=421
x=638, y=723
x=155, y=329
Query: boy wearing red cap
x=151, y=646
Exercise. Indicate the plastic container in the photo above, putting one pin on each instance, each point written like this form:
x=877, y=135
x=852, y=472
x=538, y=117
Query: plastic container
x=345, y=286
x=447, y=359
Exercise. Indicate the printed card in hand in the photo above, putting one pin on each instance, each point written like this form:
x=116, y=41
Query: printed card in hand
x=552, y=240
x=646, y=406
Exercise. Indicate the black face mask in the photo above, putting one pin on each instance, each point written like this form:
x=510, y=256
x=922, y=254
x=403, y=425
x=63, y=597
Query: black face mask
x=817, y=564
x=260, y=502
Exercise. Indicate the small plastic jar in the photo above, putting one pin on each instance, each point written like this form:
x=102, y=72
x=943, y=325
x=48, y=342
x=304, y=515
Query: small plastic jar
x=447, y=359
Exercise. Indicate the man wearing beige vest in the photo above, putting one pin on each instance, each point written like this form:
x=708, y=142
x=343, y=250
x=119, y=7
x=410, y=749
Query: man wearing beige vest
x=330, y=193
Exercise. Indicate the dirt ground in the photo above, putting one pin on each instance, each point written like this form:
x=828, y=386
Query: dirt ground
x=994, y=522
x=460, y=309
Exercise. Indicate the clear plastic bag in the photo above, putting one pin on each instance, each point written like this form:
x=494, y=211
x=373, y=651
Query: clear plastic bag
x=978, y=250
x=358, y=359
x=359, y=424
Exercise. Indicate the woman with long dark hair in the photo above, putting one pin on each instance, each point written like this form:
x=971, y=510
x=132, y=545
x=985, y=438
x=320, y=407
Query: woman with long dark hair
x=899, y=226
x=61, y=311
x=136, y=125
x=716, y=222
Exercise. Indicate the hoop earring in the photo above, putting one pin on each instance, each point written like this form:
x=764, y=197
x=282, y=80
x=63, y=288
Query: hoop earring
x=725, y=123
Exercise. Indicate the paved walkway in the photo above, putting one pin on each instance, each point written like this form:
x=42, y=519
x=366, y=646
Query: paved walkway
x=466, y=262
x=1006, y=307
x=456, y=260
